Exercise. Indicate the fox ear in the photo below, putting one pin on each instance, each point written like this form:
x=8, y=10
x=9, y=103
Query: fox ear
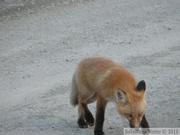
x=121, y=97
x=141, y=86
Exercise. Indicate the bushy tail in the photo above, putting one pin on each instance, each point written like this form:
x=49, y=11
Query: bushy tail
x=74, y=93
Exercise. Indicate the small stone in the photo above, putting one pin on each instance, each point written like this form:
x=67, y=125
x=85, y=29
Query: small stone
x=67, y=60
x=169, y=29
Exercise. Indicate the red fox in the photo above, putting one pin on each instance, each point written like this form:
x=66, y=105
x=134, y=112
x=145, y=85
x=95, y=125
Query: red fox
x=102, y=79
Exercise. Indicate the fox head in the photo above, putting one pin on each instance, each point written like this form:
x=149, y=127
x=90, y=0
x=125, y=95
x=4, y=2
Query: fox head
x=131, y=104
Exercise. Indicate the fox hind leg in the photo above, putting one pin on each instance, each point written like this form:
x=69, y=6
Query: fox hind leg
x=81, y=121
x=88, y=115
x=85, y=116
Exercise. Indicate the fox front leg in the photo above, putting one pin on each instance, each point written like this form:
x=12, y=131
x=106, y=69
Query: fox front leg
x=144, y=123
x=100, y=111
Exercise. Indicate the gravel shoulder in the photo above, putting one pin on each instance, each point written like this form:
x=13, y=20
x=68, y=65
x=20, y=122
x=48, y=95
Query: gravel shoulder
x=40, y=50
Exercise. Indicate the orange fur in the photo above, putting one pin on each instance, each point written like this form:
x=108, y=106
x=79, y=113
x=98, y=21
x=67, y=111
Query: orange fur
x=98, y=78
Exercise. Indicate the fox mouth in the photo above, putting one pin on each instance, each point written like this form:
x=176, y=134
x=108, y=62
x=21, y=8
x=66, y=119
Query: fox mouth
x=132, y=126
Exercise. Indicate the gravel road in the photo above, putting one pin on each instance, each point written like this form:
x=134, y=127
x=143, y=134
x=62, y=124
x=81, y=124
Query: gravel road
x=40, y=48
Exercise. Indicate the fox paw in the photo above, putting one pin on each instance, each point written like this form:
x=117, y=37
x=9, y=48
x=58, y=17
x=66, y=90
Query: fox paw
x=82, y=124
x=89, y=119
x=98, y=133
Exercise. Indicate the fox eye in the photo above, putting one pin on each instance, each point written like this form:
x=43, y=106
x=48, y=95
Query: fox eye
x=129, y=115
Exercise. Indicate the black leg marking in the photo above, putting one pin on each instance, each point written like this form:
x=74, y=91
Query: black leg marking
x=98, y=133
x=145, y=126
x=89, y=119
x=88, y=116
x=101, y=105
x=144, y=123
x=82, y=123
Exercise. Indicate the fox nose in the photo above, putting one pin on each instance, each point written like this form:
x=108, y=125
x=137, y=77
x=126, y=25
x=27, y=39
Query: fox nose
x=134, y=126
x=131, y=125
x=134, y=123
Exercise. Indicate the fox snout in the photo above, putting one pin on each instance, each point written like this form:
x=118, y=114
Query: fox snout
x=134, y=126
x=134, y=123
